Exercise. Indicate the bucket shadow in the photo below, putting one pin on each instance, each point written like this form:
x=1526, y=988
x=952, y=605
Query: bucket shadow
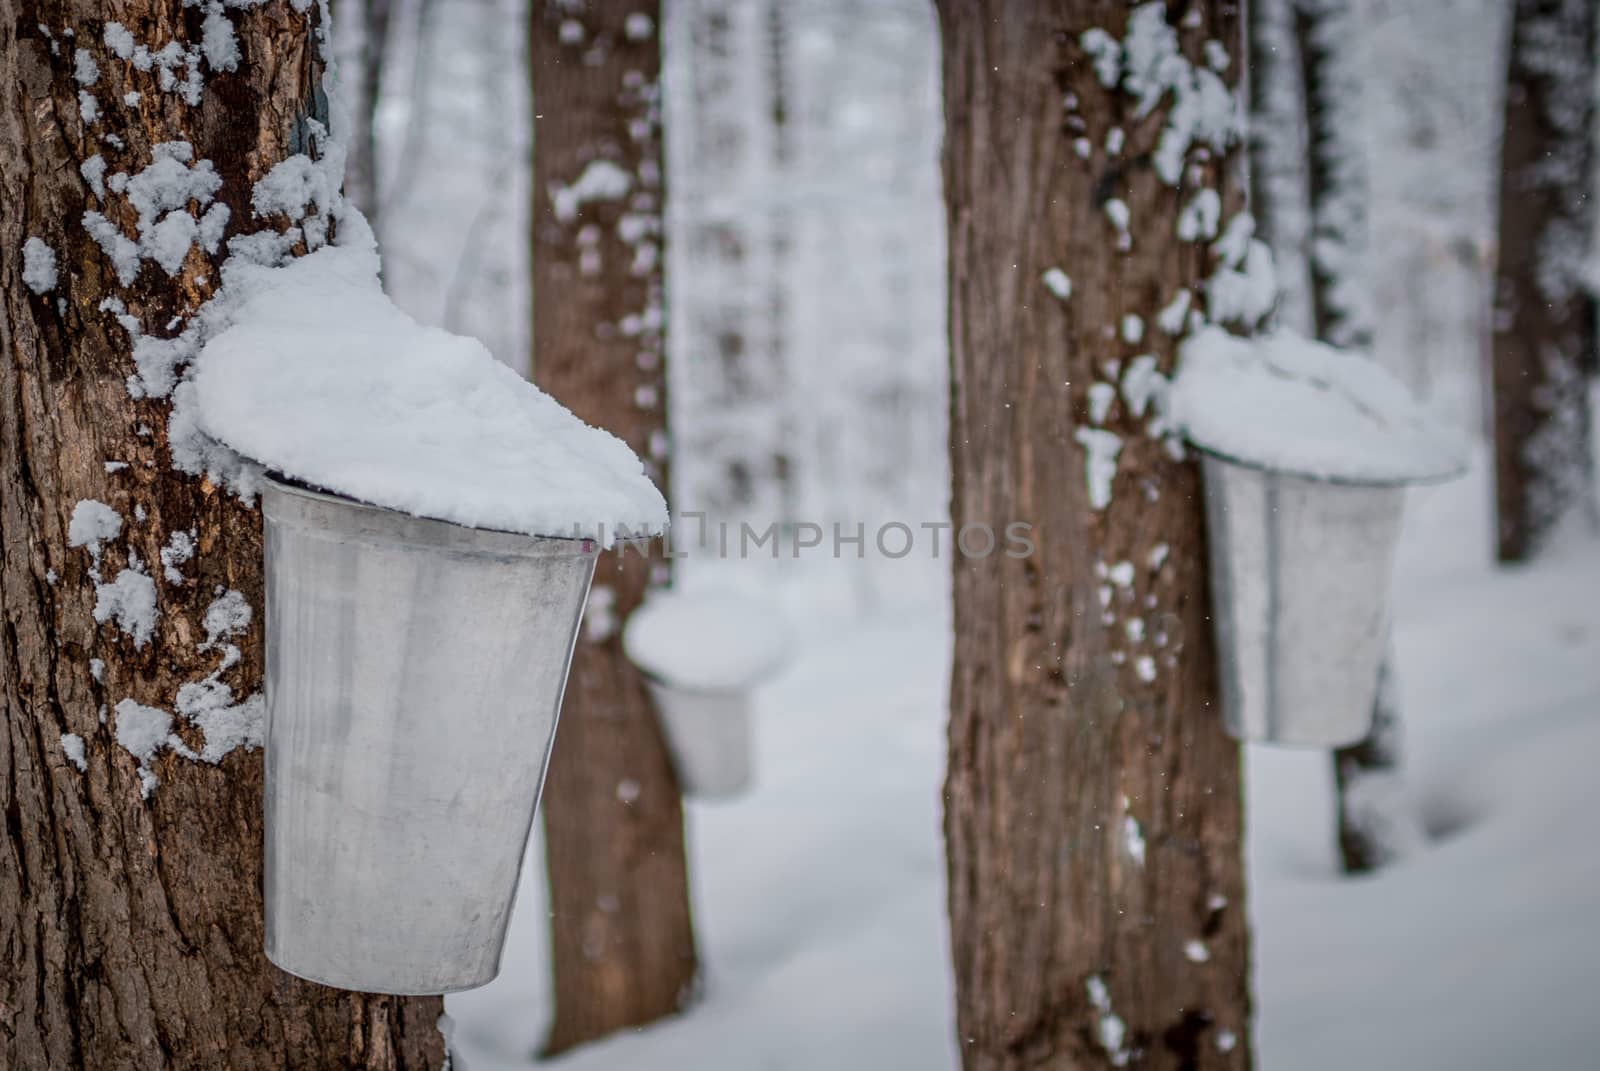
x=1448, y=810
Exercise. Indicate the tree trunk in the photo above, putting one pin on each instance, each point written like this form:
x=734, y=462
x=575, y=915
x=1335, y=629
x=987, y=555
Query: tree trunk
x=724, y=194
x=1377, y=822
x=622, y=943
x=369, y=26
x=1278, y=198
x=1319, y=219
x=1543, y=332
x=1093, y=810
x=130, y=913
x=1328, y=40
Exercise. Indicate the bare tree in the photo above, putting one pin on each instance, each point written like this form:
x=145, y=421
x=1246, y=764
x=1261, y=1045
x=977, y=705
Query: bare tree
x=1093, y=812
x=367, y=22
x=1311, y=199
x=130, y=911
x=622, y=942
x=726, y=180
x=1543, y=333
x=1375, y=822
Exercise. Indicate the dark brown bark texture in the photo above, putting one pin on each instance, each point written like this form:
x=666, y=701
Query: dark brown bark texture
x=1093, y=817
x=130, y=928
x=622, y=944
x=1543, y=334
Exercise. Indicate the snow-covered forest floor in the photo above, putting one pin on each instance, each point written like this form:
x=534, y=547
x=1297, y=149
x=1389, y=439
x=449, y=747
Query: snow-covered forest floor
x=819, y=897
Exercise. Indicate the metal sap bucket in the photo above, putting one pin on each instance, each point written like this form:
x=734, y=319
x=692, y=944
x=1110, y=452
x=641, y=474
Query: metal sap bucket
x=702, y=654
x=1300, y=573
x=708, y=732
x=414, y=676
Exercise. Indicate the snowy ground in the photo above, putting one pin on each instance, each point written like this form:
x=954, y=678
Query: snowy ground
x=820, y=899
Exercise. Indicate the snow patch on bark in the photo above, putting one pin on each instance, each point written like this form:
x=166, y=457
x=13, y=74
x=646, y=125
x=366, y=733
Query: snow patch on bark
x=1174, y=315
x=85, y=71
x=93, y=171
x=38, y=266
x=1101, y=397
x=161, y=194
x=1100, y=448
x=179, y=549
x=119, y=40
x=142, y=731
x=296, y=187
x=72, y=746
x=638, y=26
x=228, y=615
x=129, y=601
x=1106, y=52
x=93, y=523
x=1111, y=1031
x=1149, y=66
x=1133, y=837
x=601, y=180
x=600, y=614
x=1200, y=216
x=1243, y=288
x=1141, y=383
x=1056, y=281
x=1116, y=211
x=217, y=40
x=208, y=704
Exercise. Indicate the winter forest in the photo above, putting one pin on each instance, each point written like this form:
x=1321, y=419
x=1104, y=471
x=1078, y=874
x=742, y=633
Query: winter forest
x=1030, y=535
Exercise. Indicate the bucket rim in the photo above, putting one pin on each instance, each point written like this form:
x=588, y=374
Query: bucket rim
x=1378, y=482
x=402, y=527
x=391, y=991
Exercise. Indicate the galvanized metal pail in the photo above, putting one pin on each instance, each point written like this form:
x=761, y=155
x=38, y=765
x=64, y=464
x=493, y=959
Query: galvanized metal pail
x=708, y=733
x=414, y=676
x=1300, y=574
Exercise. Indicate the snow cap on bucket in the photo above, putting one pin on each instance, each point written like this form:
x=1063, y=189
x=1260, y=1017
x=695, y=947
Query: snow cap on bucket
x=317, y=375
x=708, y=641
x=1288, y=404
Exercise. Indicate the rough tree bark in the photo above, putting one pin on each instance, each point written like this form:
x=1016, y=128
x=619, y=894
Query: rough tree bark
x=1093, y=810
x=1543, y=334
x=1311, y=205
x=622, y=942
x=130, y=927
